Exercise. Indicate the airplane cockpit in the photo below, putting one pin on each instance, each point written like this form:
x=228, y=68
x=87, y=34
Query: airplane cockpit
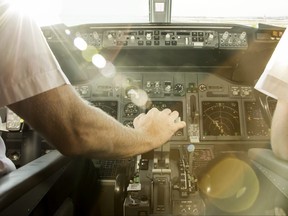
x=201, y=59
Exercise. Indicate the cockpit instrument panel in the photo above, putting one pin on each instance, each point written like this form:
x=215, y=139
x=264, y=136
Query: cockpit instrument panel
x=214, y=108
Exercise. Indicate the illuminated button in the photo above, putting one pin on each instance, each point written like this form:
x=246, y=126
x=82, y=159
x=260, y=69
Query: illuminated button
x=210, y=37
x=242, y=36
x=132, y=38
x=110, y=36
x=167, y=37
x=225, y=35
x=149, y=36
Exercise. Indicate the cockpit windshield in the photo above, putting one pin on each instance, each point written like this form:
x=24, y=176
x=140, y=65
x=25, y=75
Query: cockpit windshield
x=244, y=12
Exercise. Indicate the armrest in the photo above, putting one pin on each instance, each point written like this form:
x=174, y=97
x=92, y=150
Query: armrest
x=18, y=182
x=275, y=169
x=266, y=158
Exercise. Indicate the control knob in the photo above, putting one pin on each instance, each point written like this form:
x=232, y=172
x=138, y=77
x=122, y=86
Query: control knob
x=132, y=38
x=210, y=37
x=96, y=35
x=168, y=88
x=179, y=89
x=243, y=36
x=225, y=35
x=110, y=36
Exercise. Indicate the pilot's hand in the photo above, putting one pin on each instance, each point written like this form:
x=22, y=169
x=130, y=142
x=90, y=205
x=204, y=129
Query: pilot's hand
x=158, y=126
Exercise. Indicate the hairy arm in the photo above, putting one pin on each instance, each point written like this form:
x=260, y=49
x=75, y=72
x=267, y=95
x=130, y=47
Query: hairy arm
x=279, y=130
x=74, y=127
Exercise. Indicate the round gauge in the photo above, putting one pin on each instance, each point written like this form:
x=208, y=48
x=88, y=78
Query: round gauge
x=220, y=118
x=131, y=110
x=179, y=89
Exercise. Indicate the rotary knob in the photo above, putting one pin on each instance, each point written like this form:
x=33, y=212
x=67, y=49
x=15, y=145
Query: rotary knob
x=179, y=89
x=225, y=35
x=110, y=36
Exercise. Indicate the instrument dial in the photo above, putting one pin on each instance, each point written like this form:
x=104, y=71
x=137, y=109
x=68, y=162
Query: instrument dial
x=131, y=110
x=221, y=118
x=179, y=89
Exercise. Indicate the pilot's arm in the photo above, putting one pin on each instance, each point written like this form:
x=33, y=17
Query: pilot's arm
x=279, y=130
x=77, y=128
x=33, y=85
x=6, y=165
x=274, y=82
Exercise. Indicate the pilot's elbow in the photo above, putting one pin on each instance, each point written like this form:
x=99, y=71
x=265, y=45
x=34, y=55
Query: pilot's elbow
x=281, y=153
x=281, y=156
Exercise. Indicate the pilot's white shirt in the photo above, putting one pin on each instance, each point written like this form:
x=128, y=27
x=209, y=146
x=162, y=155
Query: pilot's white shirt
x=6, y=165
x=27, y=65
x=274, y=80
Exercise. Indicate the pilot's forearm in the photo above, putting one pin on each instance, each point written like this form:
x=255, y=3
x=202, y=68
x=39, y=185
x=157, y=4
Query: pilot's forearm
x=101, y=136
x=76, y=128
x=279, y=130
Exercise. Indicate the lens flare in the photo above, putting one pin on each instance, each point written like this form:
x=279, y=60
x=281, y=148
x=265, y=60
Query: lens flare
x=109, y=70
x=89, y=52
x=99, y=61
x=44, y=12
x=230, y=184
x=67, y=31
x=138, y=96
x=80, y=43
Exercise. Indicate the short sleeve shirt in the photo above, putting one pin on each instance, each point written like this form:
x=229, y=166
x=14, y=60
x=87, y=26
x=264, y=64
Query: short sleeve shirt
x=6, y=165
x=27, y=64
x=274, y=80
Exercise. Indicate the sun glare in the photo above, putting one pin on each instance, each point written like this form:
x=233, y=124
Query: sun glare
x=44, y=12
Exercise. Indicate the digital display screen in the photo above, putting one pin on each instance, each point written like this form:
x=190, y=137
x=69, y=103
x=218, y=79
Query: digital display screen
x=221, y=118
